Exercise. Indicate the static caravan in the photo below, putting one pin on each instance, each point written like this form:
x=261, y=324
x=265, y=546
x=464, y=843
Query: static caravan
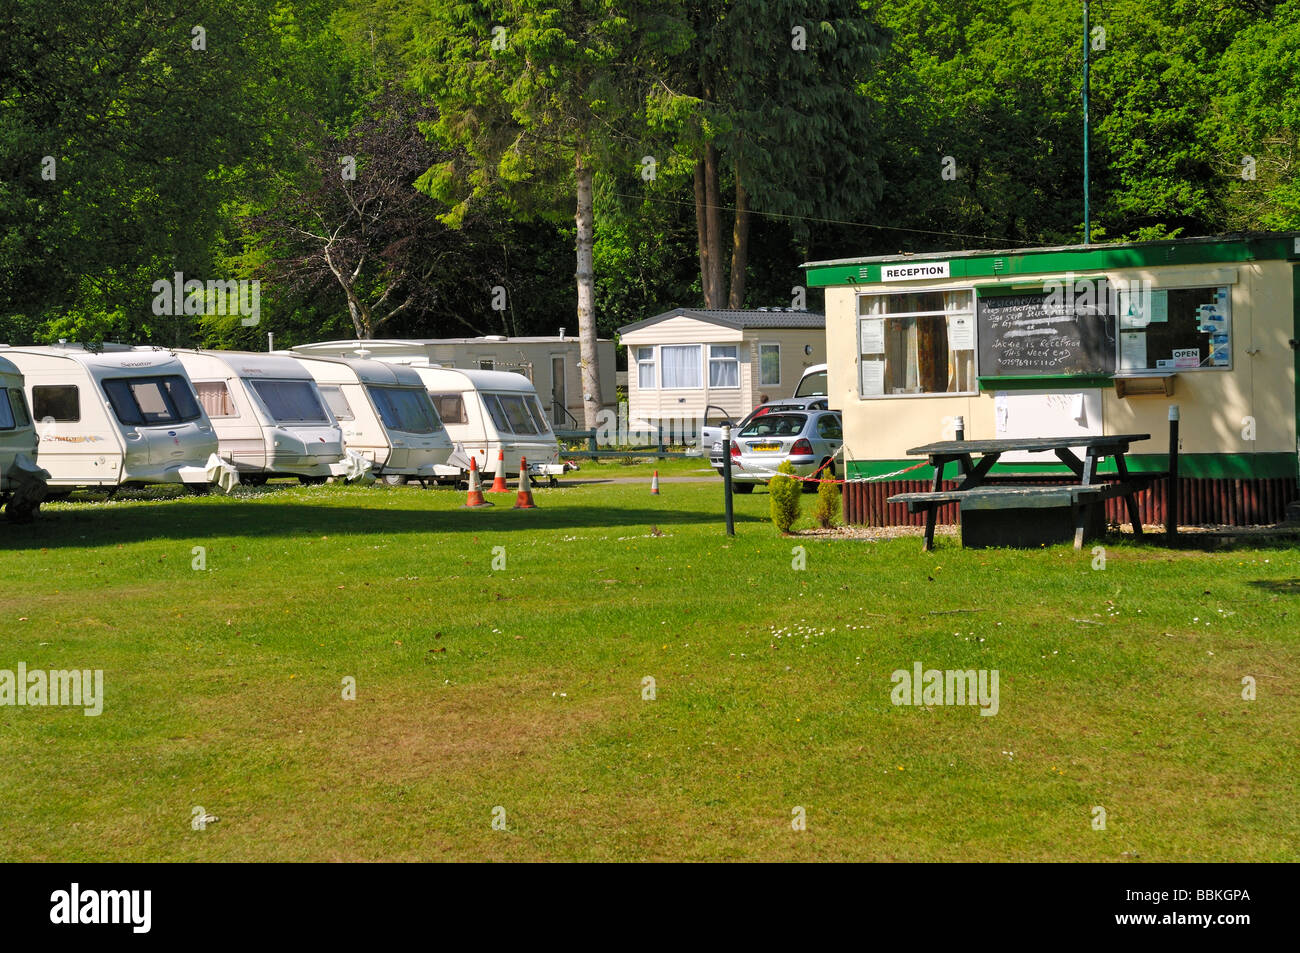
x=385, y=413
x=488, y=413
x=1076, y=340
x=690, y=364
x=116, y=418
x=22, y=482
x=269, y=415
x=553, y=364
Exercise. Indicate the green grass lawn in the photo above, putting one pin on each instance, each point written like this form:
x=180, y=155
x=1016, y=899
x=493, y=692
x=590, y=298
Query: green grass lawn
x=521, y=688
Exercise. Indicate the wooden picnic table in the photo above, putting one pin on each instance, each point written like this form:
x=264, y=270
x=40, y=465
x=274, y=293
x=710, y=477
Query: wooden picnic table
x=972, y=487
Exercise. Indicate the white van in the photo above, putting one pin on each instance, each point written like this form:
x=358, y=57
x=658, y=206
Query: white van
x=385, y=413
x=116, y=417
x=269, y=415
x=488, y=413
x=22, y=482
x=813, y=382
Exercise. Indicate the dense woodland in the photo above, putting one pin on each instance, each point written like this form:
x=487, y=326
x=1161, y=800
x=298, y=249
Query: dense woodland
x=382, y=166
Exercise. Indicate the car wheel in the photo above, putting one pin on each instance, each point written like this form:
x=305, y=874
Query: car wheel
x=743, y=487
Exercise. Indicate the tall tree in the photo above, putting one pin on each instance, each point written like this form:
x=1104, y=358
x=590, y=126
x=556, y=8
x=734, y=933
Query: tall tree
x=541, y=94
x=768, y=103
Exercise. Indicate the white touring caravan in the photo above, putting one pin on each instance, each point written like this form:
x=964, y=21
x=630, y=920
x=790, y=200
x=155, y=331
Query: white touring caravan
x=269, y=415
x=22, y=482
x=488, y=413
x=385, y=413
x=117, y=417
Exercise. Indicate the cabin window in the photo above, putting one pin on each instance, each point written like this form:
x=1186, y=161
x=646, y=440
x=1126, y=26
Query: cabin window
x=406, y=409
x=681, y=366
x=1175, y=329
x=487, y=364
x=451, y=408
x=13, y=409
x=769, y=365
x=291, y=402
x=645, y=368
x=214, y=396
x=724, y=365
x=916, y=343
x=151, y=401
x=338, y=404
x=59, y=402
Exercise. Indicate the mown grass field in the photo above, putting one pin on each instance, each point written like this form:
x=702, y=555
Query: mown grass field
x=521, y=688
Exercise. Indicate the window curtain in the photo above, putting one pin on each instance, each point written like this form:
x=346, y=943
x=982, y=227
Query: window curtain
x=961, y=364
x=681, y=365
x=724, y=366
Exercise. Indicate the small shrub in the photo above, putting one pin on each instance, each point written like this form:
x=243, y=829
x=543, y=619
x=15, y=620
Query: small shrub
x=827, y=512
x=784, y=492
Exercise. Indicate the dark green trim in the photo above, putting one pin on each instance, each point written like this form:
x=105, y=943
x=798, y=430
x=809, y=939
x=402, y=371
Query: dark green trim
x=1040, y=261
x=1045, y=381
x=1222, y=466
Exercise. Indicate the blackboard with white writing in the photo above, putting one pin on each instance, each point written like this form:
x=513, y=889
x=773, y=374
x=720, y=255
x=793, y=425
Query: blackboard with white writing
x=1045, y=334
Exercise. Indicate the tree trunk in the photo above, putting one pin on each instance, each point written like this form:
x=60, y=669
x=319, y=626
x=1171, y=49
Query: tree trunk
x=739, y=245
x=702, y=234
x=713, y=220
x=585, y=219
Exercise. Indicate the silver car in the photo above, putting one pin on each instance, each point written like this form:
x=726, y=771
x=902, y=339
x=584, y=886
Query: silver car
x=711, y=434
x=809, y=439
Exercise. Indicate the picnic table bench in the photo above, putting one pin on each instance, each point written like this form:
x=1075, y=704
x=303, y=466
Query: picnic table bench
x=1079, y=503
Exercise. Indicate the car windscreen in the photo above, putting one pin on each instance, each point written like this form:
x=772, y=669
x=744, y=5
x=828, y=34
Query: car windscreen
x=814, y=385
x=13, y=409
x=291, y=402
x=776, y=425
x=152, y=401
x=407, y=409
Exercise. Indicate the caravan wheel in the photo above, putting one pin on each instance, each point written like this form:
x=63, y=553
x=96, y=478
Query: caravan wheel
x=394, y=479
x=199, y=489
x=312, y=480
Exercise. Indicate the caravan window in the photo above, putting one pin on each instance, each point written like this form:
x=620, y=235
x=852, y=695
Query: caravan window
x=60, y=402
x=517, y=412
x=291, y=402
x=498, y=415
x=148, y=401
x=405, y=409
x=13, y=410
x=338, y=404
x=536, y=408
x=451, y=407
x=215, y=398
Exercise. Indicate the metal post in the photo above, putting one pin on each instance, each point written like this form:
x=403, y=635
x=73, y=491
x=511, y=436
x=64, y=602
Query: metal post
x=726, y=478
x=1087, y=216
x=959, y=428
x=1171, y=504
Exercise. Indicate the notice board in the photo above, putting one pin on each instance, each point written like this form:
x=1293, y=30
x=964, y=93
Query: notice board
x=1045, y=334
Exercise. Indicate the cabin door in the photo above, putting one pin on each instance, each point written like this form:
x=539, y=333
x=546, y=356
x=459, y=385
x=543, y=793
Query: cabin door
x=559, y=393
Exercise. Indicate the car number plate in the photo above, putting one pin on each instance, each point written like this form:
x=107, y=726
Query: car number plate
x=764, y=447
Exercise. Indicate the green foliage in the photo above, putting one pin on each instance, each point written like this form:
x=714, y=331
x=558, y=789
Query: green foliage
x=784, y=492
x=827, y=510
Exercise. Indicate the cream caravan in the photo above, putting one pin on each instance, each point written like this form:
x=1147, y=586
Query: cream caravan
x=115, y=418
x=385, y=413
x=269, y=415
x=488, y=413
x=22, y=482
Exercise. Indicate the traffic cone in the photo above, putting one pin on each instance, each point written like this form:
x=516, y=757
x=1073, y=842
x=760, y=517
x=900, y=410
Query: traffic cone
x=524, y=499
x=499, y=482
x=475, y=496
x=654, y=484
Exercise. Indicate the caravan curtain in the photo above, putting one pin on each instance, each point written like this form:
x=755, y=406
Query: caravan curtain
x=681, y=365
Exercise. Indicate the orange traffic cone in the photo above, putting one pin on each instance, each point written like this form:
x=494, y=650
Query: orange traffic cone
x=524, y=499
x=475, y=497
x=499, y=482
x=654, y=484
